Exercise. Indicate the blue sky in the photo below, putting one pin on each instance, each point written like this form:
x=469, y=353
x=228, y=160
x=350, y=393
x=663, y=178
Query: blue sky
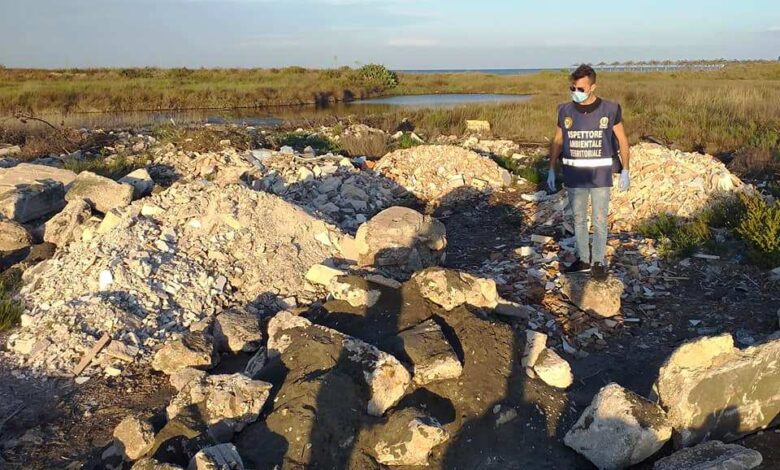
x=401, y=34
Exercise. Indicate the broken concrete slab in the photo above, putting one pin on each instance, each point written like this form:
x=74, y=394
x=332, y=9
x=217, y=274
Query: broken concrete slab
x=182, y=437
x=711, y=455
x=407, y=438
x=66, y=226
x=354, y=290
x=152, y=464
x=13, y=236
x=384, y=376
x=553, y=369
x=230, y=400
x=401, y=238
x=189, y=350
x=26, y=202
x=182, y=377
x=218, y=457
x=619, y=429
x=29, y=173
x=712, y=390
x=237, y=330
x=140, y=181
x=535, y=343
x=134, y=437
x=102, y=193
x=450, y=288
x=429, y=352
x=600, y=298
x=322, y=275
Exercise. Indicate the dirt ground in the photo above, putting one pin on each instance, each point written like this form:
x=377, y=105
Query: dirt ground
x=498, y=418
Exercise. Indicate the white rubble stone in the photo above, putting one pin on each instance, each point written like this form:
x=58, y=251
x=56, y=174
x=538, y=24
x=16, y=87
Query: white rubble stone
x=553, y=369
x=619, y=429
x=134, y=437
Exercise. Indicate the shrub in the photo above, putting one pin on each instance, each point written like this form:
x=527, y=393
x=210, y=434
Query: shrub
x=378, y=75
x=760, y=228
x=113, y=168
x=369, y=144
x=10, y=309
x=677, y=236
x=301, y=140
x=406, y=141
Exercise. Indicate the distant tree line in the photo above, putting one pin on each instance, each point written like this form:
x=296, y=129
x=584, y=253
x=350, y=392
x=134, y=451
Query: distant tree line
x=682, y=62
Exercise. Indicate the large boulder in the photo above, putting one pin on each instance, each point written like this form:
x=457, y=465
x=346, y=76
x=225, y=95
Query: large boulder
x=384, y=377
x=431, y=356
x=601, y=298
x=26, y=202
x=450, y=288
x=711, y=455
x=13, y=236
x=100, y=192
x=190, y=350
x=134, y=437
x=712, y=390
x=399, y=237
x=230, y=400
x=67, y=226
x=619, y=429
x=407, y=438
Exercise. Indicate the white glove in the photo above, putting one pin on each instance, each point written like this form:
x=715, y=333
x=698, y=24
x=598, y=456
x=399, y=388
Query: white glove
x=625, y=181
x=551, y=180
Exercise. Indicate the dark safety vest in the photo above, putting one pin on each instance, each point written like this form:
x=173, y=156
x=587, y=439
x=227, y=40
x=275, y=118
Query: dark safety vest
x=589, y=145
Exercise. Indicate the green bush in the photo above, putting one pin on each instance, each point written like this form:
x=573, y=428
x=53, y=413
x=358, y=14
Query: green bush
x=10, y=309
x=406, y=141
x=677, y=237
x=301, y=140
x=113, y=168
x=378, y=75
x=760, y=228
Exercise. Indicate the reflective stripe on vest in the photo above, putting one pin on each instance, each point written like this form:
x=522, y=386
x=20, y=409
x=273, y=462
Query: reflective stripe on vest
x=588, y=162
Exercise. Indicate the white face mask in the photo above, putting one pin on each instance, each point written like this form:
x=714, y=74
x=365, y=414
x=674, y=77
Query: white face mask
x=578, y=96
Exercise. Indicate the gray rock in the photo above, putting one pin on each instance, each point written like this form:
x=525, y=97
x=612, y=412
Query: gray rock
x=712, y=390
x=102, y=193
x=600, y=298
x=450, y=288
x=384, y=377
x=354, y=290
x=228, y=400
x=711, y=455
x=190, y=350
x=553, y=369
x=13, y=236
x=67, y=226
x=26, y=202
x=430, y=354
x=141, y=182
x=399, y=237
x=619, y=429
x=407, y=438
x=152, y=464
x=134, y=437
x=218, y=457
x=237, y=331
x=29, y=173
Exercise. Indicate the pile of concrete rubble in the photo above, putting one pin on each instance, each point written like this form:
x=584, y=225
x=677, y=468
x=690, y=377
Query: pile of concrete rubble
x=663, y=181
x=247, y=258
x=431, y=172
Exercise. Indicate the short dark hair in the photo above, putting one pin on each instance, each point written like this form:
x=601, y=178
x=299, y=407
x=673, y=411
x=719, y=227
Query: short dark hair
x=583, y=71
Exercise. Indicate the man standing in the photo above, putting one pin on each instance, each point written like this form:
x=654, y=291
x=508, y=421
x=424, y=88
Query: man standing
x=590, y=135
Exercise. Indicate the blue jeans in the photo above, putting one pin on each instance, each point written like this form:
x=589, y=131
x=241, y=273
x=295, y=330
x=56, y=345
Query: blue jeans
x=578, y=200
